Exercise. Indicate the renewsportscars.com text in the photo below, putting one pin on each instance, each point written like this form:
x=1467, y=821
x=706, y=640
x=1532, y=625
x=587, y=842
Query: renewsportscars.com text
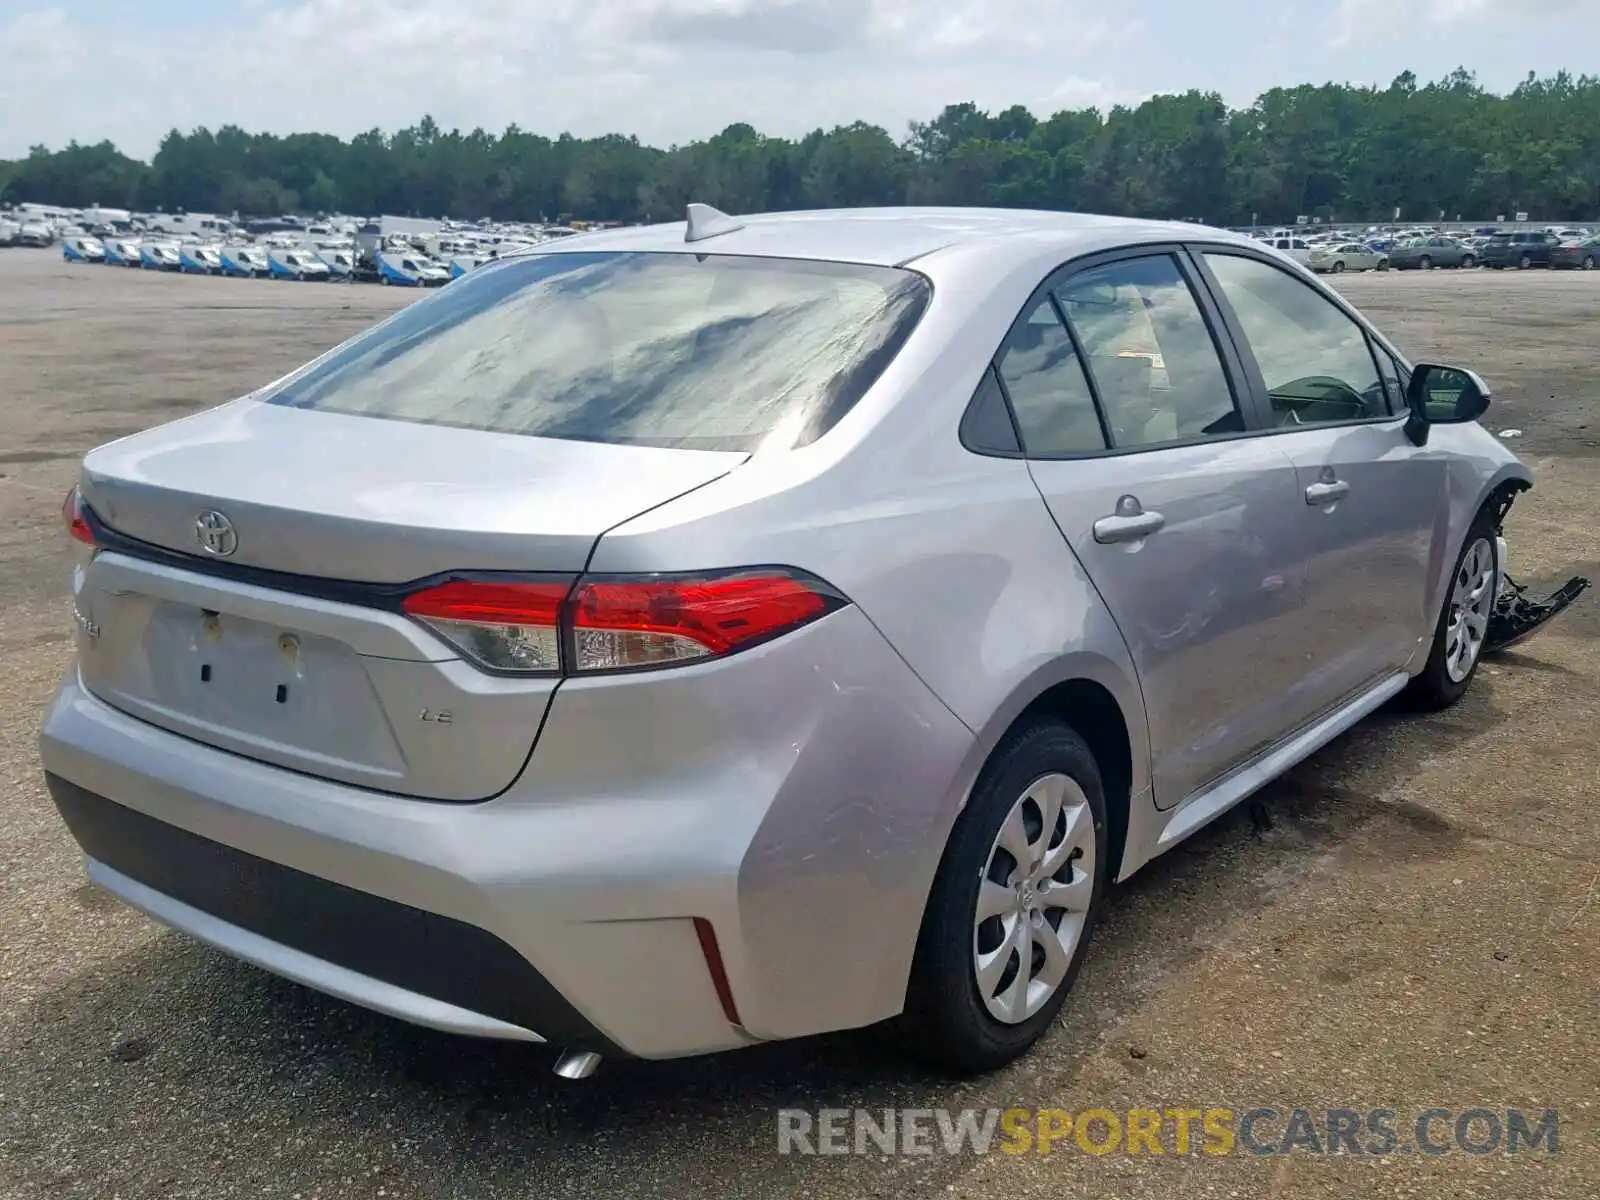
x=1260, y=1130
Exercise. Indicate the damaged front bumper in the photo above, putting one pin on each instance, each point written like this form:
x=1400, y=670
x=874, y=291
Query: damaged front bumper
x=1518, y=616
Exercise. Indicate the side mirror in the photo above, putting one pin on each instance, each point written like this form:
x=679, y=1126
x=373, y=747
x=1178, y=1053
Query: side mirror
x=1439, y=395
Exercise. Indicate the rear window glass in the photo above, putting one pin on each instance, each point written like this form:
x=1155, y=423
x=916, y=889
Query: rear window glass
x=706, y=352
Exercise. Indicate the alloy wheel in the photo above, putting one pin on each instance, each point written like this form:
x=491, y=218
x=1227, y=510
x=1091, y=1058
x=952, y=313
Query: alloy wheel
x=1471, y=604
x=1034, y=898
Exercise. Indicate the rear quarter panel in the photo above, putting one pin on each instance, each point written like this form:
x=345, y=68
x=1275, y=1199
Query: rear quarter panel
x=954, y=560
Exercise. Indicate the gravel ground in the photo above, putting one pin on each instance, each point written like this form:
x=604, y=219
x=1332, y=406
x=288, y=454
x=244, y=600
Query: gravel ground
x=1408, y=920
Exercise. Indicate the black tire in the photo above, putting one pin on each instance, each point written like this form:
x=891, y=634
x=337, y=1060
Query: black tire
x=945, y=1021
x=1338, y=266
x=1468, y=262
x=1524, y=263
x=1433, y=690
x=1588, y=262
x=1425, y=263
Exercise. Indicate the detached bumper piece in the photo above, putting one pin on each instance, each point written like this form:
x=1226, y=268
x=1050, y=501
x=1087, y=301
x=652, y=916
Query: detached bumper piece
x=1517, y=617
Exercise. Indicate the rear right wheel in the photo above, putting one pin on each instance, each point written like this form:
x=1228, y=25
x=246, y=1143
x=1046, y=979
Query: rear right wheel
x=1013, y=905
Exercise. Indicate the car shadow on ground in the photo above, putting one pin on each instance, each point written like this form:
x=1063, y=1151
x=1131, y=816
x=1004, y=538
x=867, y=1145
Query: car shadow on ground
x=193, y=1040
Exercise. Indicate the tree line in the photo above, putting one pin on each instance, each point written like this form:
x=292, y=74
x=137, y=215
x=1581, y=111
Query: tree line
x=1336, y=151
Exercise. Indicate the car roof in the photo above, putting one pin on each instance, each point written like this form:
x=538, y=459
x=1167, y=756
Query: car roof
x=893, y=236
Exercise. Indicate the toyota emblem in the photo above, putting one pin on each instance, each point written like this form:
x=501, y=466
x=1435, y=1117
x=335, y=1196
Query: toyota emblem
x=216, y=533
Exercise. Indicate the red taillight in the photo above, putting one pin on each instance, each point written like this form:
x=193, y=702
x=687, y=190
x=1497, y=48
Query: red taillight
x=617, y=623
x=503, y=626
x=627, y=623
x=77, y=523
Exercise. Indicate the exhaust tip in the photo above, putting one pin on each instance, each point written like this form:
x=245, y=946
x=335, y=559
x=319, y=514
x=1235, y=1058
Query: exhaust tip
x=577, y=1064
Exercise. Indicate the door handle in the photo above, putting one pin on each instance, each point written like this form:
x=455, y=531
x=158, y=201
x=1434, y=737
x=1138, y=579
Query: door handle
x=1327, y=492
x=1128, y=524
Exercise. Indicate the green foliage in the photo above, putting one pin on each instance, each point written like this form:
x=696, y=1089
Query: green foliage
x=1336, y=151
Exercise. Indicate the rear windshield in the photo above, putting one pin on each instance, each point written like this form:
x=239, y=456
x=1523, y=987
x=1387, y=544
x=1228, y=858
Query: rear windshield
x=706, y=352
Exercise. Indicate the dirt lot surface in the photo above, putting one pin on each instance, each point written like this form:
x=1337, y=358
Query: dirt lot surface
x=1415, y=926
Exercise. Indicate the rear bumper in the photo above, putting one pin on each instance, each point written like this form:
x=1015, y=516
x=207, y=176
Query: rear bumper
x=411, y=964
x=797, y=797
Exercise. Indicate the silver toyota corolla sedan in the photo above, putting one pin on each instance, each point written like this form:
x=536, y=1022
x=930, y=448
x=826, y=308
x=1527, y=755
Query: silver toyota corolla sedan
x=683, y=637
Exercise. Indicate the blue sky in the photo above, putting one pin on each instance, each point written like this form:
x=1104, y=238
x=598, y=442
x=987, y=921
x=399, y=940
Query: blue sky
x=673, y=70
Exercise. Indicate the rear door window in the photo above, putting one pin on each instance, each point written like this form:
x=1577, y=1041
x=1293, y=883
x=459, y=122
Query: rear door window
x=1150, y=353
x=709, y=352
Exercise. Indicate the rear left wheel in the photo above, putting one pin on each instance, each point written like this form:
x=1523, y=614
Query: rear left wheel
x=1013, y=906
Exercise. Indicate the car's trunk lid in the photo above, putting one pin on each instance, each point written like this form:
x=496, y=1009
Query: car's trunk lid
x=362, y=498
x=283, y=649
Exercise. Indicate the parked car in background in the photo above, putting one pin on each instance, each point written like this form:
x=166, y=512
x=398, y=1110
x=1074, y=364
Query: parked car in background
x=200, y=260
x=411, y=270
x=1347, y=256
x=340, y=263
x=122, y=252
x=1579, y=253
x=1424, y=254
x=300, y=264
x=83, y=249
x=1522, y=249
x=159, y=256
x=735, y=630
x=1296, y=248
x=245, y=262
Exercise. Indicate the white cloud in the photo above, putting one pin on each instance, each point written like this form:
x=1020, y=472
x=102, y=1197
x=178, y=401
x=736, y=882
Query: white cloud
x=668, y=70
x=1355, y=21
x=1076, y=92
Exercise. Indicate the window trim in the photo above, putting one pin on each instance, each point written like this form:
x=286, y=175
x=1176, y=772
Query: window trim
x=1265, y=426
x=991, y=373
x=1029, y=307
x=1227, y=357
